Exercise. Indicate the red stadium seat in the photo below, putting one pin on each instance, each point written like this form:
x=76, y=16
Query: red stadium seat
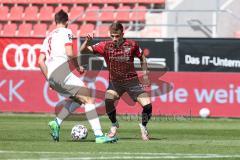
x=76, y=12
x=51, y=27
x=102, y=31
x=46, y=13
x=9, y=30
x=16, y=13
x=113, y=1
x=31, y=13
x=68, y=1
x=16, y=1
x=74, y=28
x=4, y=13
x=39, y=30
x=84, y=1
x=152, y=1
x=107, y=13
x=85, y=29
x=92, y=1
x=123, y=13
x=6, y=1
x=138, y=13
x=46, y=1
x=137, y=1
x=37, y=1
x=65, y=8
x=129, y=1
x=91, y=13
x=25, y=30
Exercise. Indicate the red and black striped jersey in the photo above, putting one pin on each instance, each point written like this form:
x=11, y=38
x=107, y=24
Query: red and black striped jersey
x=119, y=59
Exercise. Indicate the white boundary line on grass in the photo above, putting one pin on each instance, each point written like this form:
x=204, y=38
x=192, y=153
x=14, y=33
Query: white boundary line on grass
x=121, y=155
x=130, y=157
x=116, y=153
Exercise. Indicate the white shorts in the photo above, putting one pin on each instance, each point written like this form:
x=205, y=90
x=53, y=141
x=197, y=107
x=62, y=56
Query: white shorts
x=66, y=86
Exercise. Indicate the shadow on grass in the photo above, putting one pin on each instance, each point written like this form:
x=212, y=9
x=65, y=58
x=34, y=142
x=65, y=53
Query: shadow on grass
x=139, y=138
x=82, y=141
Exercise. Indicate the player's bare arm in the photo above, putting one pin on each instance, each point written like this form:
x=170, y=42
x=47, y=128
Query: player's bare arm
x=73, y=57
x=85, y=45
x=42, y=65
x=144, y=65
x=69, y=51
x=145, y=70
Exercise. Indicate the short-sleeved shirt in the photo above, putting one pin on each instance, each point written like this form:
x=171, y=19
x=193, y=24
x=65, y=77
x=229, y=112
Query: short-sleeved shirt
x=120, y=60
x=54, y=48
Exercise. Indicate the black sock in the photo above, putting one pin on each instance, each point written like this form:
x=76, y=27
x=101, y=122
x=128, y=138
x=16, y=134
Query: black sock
x=146, y=114
x=111, y=110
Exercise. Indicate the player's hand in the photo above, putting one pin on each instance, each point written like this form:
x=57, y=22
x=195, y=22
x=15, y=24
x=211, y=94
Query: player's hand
x=89, y=37
x=81, y=69
x=146, y=80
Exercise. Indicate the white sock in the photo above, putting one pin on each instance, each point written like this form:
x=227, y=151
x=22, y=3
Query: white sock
x=93, y=119
x=64, y=112
x=59, y=121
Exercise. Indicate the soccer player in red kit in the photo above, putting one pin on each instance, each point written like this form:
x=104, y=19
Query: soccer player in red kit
x=119, y=55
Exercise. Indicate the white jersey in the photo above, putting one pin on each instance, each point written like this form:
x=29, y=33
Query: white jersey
x=54, y=48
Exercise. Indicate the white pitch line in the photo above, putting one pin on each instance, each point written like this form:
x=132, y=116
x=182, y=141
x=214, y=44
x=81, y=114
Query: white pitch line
x=133, y=157
x=115, y=153
x=124, y=155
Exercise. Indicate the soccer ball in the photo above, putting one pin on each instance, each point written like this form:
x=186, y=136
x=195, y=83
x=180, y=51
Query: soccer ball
x=79, y=132
x=204, y=112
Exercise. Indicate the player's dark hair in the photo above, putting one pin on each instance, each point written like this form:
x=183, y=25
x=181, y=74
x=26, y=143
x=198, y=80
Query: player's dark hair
x=116, y=26
x=61, y=17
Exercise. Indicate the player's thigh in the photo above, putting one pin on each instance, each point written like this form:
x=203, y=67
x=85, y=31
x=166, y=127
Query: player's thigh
x=134, y=89
x=84, y=95
x=143, y=99
x=77, y=89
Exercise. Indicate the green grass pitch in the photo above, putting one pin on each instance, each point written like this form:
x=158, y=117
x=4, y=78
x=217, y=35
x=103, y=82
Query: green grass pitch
x=27, y=137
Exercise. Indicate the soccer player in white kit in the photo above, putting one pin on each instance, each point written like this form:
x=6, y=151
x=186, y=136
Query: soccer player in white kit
x=56, y=53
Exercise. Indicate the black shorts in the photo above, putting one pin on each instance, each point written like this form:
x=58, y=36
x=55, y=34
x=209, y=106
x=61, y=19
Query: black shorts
x=132, y=87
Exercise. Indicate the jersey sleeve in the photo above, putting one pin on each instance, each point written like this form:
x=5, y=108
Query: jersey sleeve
x=99, y=48
x=68, y=37
x=137, y=50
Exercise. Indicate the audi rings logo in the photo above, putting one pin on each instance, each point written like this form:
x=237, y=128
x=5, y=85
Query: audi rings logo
x=19, y=53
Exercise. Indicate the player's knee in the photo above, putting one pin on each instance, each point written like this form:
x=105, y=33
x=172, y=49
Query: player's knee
x=110, y=94
x=144, y=99
x=109, y=103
